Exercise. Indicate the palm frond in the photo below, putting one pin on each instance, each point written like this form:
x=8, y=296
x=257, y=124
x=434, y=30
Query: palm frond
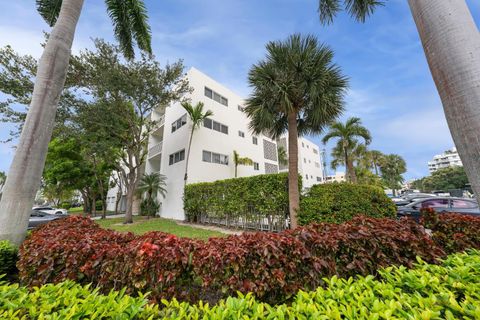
x=49, y=10
x=139, y=25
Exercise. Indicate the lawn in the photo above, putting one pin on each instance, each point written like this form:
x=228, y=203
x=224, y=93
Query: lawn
x=142, y=225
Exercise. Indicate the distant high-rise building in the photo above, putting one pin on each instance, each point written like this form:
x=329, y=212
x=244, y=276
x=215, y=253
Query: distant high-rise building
x=447, y=159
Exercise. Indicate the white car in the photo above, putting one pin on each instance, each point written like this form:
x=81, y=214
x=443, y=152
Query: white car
x=51, y=210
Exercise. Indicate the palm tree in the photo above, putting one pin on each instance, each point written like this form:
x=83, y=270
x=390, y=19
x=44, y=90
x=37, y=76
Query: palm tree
x=282, y=156
x=296, y=88
x=129, y=19
x=451, y=42
x=237, y=160
x=393, y=166
x=196, y=115
x=150, y=185
x=347, y=135
x=375, y=157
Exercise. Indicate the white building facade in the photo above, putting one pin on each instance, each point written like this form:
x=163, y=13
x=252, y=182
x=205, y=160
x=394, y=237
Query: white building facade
x=447, y=159
x=211, y=154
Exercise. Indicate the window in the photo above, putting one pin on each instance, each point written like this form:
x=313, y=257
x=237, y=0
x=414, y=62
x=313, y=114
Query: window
x=463, y=204
x=317, y=164
x=176, y=157
x=308, y=147
x=309, y=161
x=213, y=157
x=208, y=93
x=306, y=176
x=216, y=96
x=179, y=123
x=254, y=140
x=256, y=166
x=241, y=134
x=315, y=151
x=240, y=108
x=319, y=179
x=217, y=126
x=435, y=203
x=304, y=160
x=303, y=145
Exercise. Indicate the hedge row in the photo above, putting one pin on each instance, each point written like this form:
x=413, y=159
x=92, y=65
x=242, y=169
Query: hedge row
x=272, y=265
x=447, y=291
x=261, y=202
x=239, y=202
x=340, y=202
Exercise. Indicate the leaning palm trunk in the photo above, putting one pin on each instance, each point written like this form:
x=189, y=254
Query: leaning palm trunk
x=25, y=172
x=452, y=46
x=293, y=192
x=188, y=156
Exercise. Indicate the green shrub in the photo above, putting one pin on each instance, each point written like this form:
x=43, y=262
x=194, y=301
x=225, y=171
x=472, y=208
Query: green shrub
x=447, y=291
x=251, y=202
x=149, y=207
x=340, y=202
x=68, y=300
x=8, y=259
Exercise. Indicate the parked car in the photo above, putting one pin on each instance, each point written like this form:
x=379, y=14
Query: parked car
x=37, y=218
x=439, y=204
x=411, y=197
x=51, y=210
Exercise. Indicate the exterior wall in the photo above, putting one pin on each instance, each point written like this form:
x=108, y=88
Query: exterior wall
x=447, y=159
x=163, y=143
x=337, y=177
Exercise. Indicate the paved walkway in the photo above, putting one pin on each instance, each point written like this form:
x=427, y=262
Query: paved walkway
x=211, y=228
x=121, y=215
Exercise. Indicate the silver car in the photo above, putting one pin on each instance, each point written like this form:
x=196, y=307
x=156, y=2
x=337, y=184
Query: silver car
x=37, y=218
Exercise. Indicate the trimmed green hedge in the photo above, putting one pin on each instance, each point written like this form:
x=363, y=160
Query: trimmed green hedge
x=249, y=202
x=447, y=291
x=340, y=202
x=8, y=259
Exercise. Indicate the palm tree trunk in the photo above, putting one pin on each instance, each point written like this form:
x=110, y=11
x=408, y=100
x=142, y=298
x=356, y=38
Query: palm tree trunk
x=236, y=166
x=188, y=156
x=293, y=192
x=23, y=179
x=451, y=42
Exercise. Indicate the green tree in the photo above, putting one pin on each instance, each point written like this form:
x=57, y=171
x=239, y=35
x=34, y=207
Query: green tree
x=392, y=167
x=451, y=43
x=127, y=92
x=240, y=161
x=3, y=178
x=130, y=25
x=296, y=89
x=196, y=116
x=150, y=185
x=443, y=179
x=347, y=135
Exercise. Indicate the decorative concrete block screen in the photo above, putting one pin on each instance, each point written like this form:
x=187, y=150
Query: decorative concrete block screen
x=254, y=203
x=271, y=168
x=269, y=150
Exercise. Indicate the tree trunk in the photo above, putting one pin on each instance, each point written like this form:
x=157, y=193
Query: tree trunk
x=451, y=42
x=23, y=179
x=188, y=157
x=130, y=186
x=94, y=204
x=236, y=166
x=117, y=201
x=293, y=192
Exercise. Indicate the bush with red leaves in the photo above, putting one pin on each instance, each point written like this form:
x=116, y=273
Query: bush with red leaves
x=274, y=266
x=452, y=231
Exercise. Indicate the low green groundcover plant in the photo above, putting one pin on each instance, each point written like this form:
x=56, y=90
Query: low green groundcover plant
x=340, y=202
x=447, y=291
x=8, y=259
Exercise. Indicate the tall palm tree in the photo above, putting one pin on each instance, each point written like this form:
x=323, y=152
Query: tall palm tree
x=347, y=135
x=296, y=88
x=375, y=157
x=393, y=166
x=240, y=161
x=196, y=116
x=129, y=19
x=451, y=42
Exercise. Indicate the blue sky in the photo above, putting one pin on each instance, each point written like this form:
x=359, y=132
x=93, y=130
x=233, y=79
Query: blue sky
x=391, y=89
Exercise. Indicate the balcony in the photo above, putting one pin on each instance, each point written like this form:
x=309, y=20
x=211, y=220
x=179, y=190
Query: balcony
x=158, y=125
x=155, y=150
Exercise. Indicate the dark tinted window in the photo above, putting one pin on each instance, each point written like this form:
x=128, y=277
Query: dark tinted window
x=435, y=203
x=208, y=92
x=207, y=123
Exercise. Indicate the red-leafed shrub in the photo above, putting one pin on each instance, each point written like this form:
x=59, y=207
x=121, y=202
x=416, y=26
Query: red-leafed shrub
x=452, y=231
x=274, y=266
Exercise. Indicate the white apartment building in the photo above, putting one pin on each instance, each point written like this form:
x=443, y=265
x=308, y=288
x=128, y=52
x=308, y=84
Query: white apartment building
x=213, y=145
x=447, y=159
x=337, y=177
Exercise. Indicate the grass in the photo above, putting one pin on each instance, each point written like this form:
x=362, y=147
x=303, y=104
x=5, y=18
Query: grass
x=142, y=225
x=79, y=211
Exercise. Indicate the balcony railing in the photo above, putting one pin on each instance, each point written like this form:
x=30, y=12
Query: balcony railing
x=158, y=123
x=155, y=150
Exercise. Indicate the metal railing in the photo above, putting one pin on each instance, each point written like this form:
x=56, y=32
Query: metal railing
x=155, y=150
